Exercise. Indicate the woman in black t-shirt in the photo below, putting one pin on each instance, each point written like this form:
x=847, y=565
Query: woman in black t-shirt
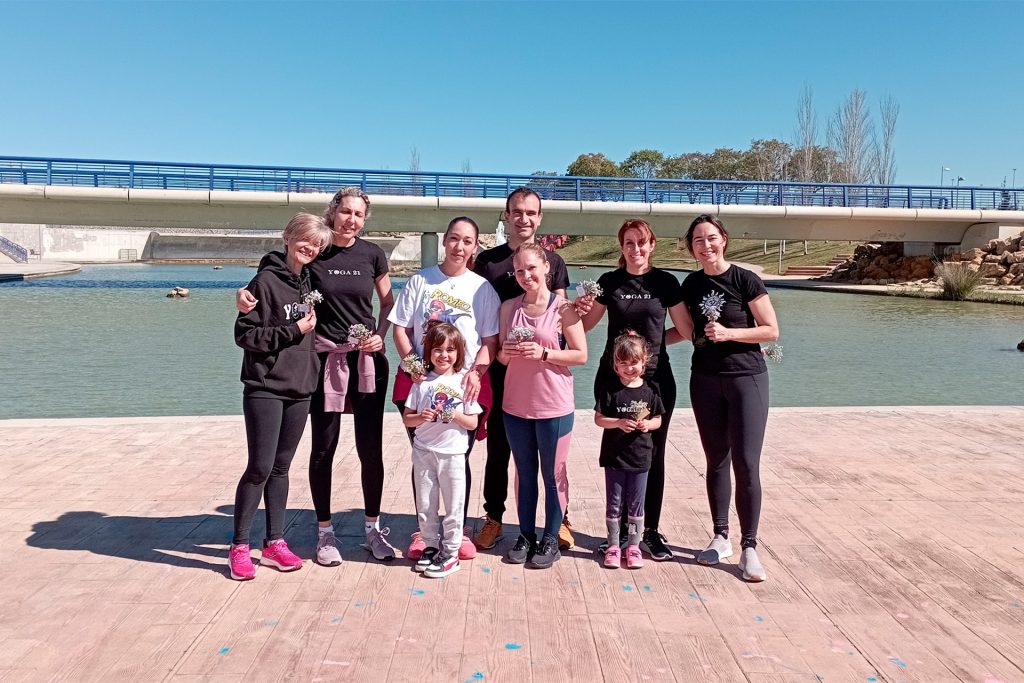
x=355, y=378
x=728, y=313
x=637, y=297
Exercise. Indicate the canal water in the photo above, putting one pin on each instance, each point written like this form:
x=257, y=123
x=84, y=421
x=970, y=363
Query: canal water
x=107, y=342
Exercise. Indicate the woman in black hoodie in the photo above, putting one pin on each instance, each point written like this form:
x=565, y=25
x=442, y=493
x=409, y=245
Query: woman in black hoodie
x=280, y=370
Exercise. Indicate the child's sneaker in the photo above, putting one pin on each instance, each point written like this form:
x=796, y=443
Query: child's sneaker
x=240, y=563
x=426, y=559
x=613, y=557
x=443, y=565
x=278, y=555
x=467, y=550
x=416, y=548
x=634, y=558
x=327, y=554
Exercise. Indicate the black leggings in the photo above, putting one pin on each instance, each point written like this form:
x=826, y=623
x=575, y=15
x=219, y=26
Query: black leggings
x=664, y=383
x=731, y=413
x=273, y=427
x=368, y=423
x=498, y=450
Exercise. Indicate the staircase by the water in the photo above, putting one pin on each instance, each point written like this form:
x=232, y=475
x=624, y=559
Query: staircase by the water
x=12, y=250
x=817, y=271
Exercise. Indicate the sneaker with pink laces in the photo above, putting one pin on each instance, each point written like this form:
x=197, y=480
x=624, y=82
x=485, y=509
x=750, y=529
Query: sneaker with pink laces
x=613, y=557
x=278, y=555
x=467, y=551
x=415, y=550
x=634, y=558
x=240, y=563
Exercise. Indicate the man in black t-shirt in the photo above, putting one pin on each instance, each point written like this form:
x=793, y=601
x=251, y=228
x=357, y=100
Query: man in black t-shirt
x=522, y=219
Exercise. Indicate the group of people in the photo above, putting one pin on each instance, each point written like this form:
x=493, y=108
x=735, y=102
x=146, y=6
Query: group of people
x=487, y=342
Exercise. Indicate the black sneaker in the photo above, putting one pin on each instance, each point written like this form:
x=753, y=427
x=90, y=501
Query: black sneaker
x=426, y=559
x=547, y=554
x=521, y=551
x=653, y=544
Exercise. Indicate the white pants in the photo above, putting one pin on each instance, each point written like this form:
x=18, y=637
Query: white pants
x=440, y=475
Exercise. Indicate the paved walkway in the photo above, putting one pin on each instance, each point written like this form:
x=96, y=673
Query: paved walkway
x=891, y=538
x=21, y=271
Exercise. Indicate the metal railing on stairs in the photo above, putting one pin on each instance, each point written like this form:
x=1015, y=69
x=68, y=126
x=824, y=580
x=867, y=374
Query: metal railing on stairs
x=14, y=250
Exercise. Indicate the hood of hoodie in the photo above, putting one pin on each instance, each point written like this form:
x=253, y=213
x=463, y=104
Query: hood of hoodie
x=276, y=263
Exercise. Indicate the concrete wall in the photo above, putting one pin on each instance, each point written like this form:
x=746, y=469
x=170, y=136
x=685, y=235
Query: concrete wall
x=164, y=246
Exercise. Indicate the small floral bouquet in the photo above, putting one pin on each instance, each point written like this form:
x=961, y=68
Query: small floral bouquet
x=312, y=298
x=520, y=334
x=638, y=409
x=773, y=352
x=588, y=288
x=358, y=333
x=711, y=305
x=414, y=365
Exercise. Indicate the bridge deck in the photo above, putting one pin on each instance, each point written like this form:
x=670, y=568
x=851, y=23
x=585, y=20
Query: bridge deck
x=891, y=538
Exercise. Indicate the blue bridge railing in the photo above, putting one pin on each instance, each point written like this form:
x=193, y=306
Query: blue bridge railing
x=14, y=250
x=185, y=176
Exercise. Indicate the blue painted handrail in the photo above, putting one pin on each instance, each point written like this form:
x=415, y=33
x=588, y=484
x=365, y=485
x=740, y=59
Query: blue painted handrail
x=188, y=176
x=14, y=250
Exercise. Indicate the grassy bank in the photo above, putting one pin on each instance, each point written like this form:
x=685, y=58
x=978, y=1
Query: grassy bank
x=669, y=254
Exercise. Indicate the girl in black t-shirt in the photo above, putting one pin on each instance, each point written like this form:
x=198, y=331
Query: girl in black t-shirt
x=350, y=345
x=728, y=314
x=628, y=410
x=638, y=296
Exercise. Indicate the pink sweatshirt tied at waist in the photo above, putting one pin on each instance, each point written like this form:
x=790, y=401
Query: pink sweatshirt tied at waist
x=336, y=373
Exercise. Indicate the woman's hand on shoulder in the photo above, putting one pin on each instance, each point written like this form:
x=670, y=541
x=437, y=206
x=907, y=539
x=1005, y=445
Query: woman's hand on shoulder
x=471, y=386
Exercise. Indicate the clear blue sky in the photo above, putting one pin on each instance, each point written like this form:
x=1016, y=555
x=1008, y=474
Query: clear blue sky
x=502, y=86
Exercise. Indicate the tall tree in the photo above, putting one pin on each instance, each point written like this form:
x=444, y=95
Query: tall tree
x=885, y=154
x=595, y=164
x=806, y=136
x=768, y=160
x=414, y=159
x=851, y=135
x=644, y=163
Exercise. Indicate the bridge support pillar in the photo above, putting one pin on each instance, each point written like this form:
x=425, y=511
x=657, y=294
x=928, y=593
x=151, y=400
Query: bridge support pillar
x=919, y=248
x=428, y=249
x=979, y=234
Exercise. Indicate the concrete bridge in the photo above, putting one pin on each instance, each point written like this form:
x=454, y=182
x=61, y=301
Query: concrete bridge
x=161, y=195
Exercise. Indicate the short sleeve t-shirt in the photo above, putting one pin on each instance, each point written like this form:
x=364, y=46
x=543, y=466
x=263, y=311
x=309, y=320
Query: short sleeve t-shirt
x=639, y=303
x=738, y=287
x=441, y=393
x=495, y=266
x=466, y=301
x=345, y=276
x=631, y=452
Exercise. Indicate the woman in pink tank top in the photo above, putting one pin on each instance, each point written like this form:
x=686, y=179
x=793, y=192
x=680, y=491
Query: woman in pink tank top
x=538, y=402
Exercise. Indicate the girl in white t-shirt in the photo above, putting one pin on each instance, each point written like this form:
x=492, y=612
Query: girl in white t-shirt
x=442, y=420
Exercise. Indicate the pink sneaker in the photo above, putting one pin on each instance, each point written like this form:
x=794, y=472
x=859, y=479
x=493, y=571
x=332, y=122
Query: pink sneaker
x=613, y=557
x=467, y=551
x=634, y=558
x=278, y=555
x=415, y=551
x=240, y=563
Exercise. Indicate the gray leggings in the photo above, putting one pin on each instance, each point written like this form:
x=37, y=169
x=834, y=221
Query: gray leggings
x=731, y=413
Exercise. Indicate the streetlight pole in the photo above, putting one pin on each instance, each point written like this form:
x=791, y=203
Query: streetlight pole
x=1013, y=183
x=942, y=176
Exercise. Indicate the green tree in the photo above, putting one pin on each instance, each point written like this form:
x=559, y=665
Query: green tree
x=768, y=160
x=644, y=163
x=595, y=164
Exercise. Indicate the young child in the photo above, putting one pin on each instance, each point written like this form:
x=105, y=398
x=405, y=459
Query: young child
x=442, y=421
x=280, y=370
x=628, y=410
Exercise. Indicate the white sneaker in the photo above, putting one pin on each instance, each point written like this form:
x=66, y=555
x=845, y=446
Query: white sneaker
x=719, y=549
x=327, y=554
x=751, y=566
x=377, y=544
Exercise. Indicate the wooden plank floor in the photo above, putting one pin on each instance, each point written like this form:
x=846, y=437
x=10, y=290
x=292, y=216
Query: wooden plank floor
x=892, y=538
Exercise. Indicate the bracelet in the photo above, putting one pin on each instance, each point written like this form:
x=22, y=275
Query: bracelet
x=544, y=356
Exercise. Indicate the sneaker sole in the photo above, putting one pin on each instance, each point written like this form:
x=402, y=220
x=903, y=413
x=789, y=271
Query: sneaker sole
x=441, y=574
x=278, y=566
x=332, y=563
x=657, y=558
x=516, y=560
x=532, y=564
x=238, y=577
x=711, y=557
x=754, y=579
x=387, y=558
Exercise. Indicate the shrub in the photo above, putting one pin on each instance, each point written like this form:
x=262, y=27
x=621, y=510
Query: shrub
x=958, y=281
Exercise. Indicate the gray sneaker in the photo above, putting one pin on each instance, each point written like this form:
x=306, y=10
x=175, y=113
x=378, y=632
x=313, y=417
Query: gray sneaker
x=719, y=549
x=751, y=566
x=327, y=554
x=377, y=543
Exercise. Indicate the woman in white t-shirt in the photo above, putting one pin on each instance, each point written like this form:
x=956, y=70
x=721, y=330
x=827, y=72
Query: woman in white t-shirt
x=452, y=293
